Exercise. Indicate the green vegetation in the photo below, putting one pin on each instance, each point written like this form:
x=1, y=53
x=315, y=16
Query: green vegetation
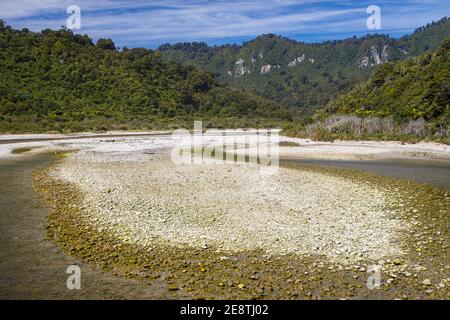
x=22, y=150
x=289, y=144
x=410, y=89
x=60, y=81
x=301, y=75
x=407, y=100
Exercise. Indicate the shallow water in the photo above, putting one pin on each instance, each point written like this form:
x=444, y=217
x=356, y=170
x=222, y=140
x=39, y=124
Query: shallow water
x=128, y=135
x=32, y=267
x=432, y=172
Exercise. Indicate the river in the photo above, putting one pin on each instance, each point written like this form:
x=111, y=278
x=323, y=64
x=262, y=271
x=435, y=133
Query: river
x=32, y=267
x=432, y=172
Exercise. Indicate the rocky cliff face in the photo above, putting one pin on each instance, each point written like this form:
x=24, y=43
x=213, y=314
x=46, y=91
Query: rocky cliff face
x=375, y=58
x=305, y=75
x=240, y=68
x=250, y=65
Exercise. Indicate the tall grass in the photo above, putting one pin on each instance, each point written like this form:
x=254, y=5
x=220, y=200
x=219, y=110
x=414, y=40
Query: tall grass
x=371, y=128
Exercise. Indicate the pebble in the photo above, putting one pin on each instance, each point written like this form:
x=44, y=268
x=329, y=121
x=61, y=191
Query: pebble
x=426, y=282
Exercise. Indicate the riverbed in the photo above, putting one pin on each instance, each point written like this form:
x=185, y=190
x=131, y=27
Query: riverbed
x=31, y=266
x=24, y=233
x=432, y=172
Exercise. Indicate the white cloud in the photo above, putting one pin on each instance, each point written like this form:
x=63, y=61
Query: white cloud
x=139, y=22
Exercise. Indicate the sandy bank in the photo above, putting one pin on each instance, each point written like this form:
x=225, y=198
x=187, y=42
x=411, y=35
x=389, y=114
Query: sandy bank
x=234, y=207
x=356, y=150
x=132, y=213
x=338, y=150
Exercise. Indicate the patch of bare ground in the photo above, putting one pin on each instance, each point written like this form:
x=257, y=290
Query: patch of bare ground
x=215, y=233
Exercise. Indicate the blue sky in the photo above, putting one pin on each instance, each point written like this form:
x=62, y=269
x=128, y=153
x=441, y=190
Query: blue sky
x=150, y=23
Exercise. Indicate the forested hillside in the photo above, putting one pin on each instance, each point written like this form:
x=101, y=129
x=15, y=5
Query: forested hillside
x=404, y=100
x=306, y=76
x=56, y=80
x=411, y=89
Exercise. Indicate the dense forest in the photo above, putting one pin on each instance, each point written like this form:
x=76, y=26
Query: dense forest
x=302, y=75
x=407, y=100
x=57, y=80
x=411, y=89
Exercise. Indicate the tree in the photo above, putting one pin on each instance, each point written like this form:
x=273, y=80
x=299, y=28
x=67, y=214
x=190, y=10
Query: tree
x=107, y=44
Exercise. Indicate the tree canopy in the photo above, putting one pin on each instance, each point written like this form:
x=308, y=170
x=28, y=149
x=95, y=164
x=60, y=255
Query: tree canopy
x=57, y=80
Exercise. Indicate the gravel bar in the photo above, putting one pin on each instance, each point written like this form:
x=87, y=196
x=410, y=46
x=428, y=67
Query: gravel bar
x=226, y=231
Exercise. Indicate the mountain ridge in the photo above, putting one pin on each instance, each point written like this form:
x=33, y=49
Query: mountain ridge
x=304, y=75
x=411, y=89
x=57, y=80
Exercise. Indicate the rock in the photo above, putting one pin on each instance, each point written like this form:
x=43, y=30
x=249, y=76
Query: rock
x=420, y=268
x=426, y=282
x=397, y=262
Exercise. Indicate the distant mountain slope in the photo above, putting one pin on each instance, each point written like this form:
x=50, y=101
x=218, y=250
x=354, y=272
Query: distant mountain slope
x=304, y=75
x=55, y=80
x=411, y=89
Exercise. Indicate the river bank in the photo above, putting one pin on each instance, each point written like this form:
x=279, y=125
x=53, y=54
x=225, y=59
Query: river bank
x=292, y=147
x=308, y=232
x=123, y=232
x=34, y=267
